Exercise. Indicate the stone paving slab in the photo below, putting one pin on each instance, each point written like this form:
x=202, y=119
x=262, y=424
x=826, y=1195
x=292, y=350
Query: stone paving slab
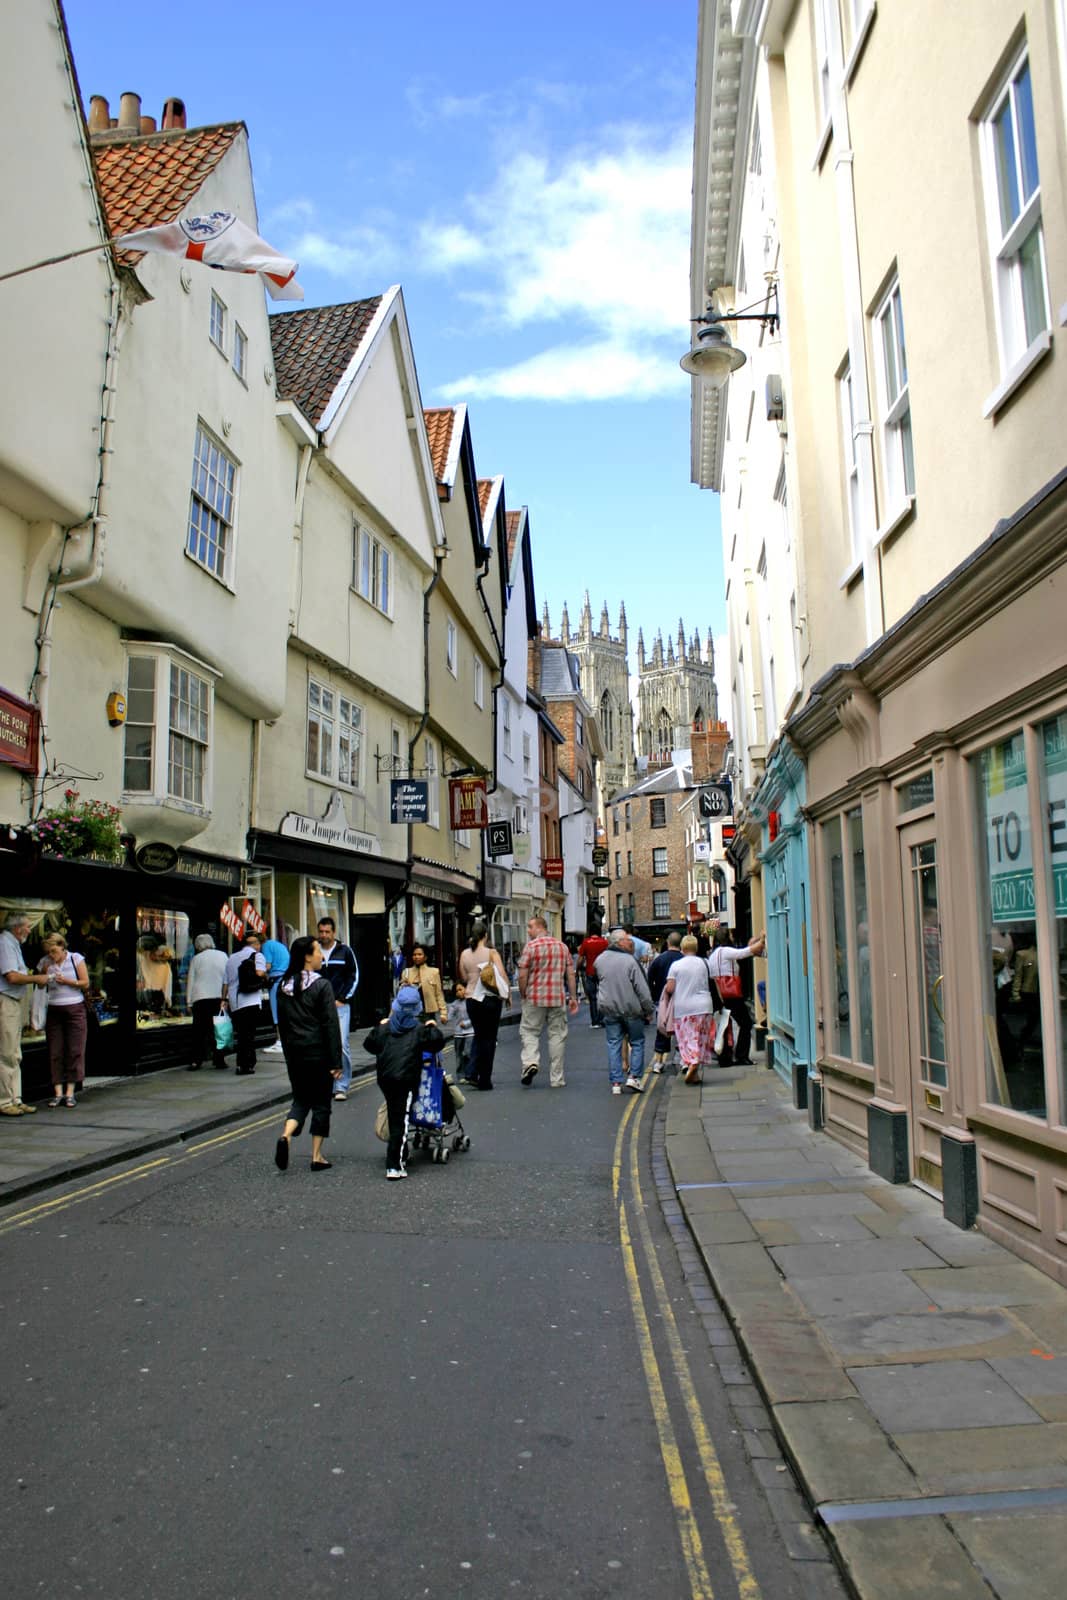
x=1000, y=1283
x=931, y=1396
x=837, y=1294
x=1006, y=1545
x=976, y=1460
x=829, y=1204
x=841, y=1453
x=867, y=1338
x=918, y=1558
x=1048, y=1323
x=876, y=1255
x=1031, y=1375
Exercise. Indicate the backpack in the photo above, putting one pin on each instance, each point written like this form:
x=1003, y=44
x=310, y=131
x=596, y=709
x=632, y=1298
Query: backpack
x=487, y=977
x=248, y=979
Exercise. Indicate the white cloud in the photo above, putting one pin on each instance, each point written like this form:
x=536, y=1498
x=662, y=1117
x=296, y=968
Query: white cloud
x=360, y=253
x=598, y=371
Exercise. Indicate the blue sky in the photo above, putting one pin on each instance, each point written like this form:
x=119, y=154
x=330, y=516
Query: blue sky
x=525, y=175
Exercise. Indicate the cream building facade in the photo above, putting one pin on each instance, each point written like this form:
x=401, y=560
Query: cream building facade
x=904, y=796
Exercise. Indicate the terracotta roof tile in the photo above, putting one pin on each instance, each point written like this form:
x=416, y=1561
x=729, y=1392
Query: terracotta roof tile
x=485, y=489
x=439, y=425
x=150, y=180
x=312, y=350
x=512, y=520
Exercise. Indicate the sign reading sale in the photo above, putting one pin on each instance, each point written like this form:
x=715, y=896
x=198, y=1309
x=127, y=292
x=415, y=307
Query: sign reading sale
x=468, y=806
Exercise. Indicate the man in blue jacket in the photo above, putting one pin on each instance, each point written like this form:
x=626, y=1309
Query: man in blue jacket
x=341, y=969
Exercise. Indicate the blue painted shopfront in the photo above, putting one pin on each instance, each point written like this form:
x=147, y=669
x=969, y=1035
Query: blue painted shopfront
x=787, y=898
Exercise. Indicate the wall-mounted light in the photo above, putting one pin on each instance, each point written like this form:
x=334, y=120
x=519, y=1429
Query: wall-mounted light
x=712, y=356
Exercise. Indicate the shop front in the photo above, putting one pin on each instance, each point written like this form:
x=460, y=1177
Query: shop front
x=937, y=785
x=437, y=916
x=135, y=929
x=790, y=1000
x=510, y=921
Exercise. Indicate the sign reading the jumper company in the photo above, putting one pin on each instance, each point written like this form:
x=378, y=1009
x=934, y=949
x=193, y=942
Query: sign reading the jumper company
x=331, y=828
x=409, y=800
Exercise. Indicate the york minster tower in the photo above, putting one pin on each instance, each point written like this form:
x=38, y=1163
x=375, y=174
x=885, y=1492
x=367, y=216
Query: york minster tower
x=605, y=675
x=676, y=689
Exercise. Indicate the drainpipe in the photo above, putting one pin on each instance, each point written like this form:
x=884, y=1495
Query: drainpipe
x=479, y=580
x=296, y=587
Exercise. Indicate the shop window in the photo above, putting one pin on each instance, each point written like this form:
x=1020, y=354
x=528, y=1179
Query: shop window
x=852, y=1029
x=326, y=899
x=164, y=951
x=167, y=735
x=1018, y=944
x=863, y=1036
x=841, y=1028
x=90, y=933
x=778, y=944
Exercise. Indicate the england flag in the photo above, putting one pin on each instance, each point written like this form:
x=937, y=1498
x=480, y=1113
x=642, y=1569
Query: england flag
x=221, y=240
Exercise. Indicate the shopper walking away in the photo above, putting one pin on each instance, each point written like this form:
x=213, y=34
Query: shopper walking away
x=246, y=972
x=658, y=973
x=548, y=990
x=341, y=970
x=311, y=1038
x=427, y=980
x=591, y=948
x=723, y=966
x=626, y=1007
x=66, y=1025
x=15, y=979
x=399, y=1041
x=462, y=1034
x=276, y=955
x=484, y=976
x=695, y=1002
x=203, y=993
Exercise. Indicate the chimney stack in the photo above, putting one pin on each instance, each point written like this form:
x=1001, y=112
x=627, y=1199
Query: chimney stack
x=174, y=114
x=130, y=113
x=148, y=124
x=99, y=114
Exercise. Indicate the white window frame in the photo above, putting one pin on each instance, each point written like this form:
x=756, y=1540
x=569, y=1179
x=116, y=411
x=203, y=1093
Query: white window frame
x=665, y=871
x=433, y=785
x=479, y=683
x=1009, y=238
x=894, y=398
x=216, y=328
x=452, y=647
x=396, y=750
x=823, y=45
x=373, y=569
x=660, y=910
x=850, y=460
x=579, y=727
x=521, y=817
x=211, y=525
x=240, y=352
x=505, y=720
x=342, y=728
x=174, y=734
x=527, y=756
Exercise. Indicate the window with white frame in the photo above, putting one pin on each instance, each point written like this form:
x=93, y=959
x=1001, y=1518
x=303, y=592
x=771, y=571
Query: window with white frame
x=240, y=350
x=217, y=322
x=479, y=682
x=521, y=817
x=892, y=363
x=527, y=756
x=579, y=728
x=209, y=540
x=1013, y=205
x=850, y=459
x=661, y=904
x=334, y=736
x=505, y=719
x=167, y=734
x=824, y=36
x=463, y=838
x=396, y=750
x=372, y=569
x=451, y=648
x=659, y=863
x=429, y=752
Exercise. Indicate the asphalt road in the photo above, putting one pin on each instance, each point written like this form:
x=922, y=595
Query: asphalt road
x=224, y=1381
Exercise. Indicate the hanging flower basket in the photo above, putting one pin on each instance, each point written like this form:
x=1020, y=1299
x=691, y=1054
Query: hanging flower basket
x=79, y=830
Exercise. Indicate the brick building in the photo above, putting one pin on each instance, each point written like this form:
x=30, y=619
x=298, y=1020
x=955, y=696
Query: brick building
x=646, y=839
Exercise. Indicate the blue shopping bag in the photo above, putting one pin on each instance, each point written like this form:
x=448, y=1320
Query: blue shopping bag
x=427, y=1108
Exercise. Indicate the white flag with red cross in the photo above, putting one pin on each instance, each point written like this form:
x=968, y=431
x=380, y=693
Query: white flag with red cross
x=221, y=240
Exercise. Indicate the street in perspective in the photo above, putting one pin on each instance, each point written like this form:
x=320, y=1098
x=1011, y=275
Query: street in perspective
x=533, y=801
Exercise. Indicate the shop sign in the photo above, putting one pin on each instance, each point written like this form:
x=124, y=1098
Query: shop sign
x=252, y=919
x=467, y=803
x=498, y=839
x=601, y=883
x=409, y=800
x=715, y=800
x=728, y=831
x=703, y=904
x=521, y=849
x=156, y=856
x=19, y=724
x=229, y=919
x=331, y=828
x=553, y=868
x=702, y=850
x=600, y=855
x=498, y=883
x=205, y=871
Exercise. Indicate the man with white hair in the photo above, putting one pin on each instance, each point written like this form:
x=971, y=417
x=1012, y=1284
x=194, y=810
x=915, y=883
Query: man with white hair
x=15, y=978
x=625, y=1007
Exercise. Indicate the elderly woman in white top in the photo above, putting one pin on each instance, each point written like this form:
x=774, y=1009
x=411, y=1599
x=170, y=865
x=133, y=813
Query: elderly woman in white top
x=203, y=992
x=695, y=1003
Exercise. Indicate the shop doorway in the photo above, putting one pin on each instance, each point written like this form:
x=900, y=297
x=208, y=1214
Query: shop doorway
x=924, y=996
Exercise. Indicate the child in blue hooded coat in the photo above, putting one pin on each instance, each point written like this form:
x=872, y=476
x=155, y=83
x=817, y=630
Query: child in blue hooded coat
x=399, y=1042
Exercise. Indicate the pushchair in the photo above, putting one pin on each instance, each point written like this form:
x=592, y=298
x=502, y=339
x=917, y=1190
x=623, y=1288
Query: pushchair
x=434, y=1116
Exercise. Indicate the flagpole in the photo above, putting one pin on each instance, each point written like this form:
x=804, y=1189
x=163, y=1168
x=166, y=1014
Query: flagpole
x=52, y=261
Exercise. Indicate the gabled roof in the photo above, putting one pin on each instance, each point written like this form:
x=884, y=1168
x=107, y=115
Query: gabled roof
x=514, y=521
x=439, y=427
x=665, y=780
x=150, y=179
x=314, y=349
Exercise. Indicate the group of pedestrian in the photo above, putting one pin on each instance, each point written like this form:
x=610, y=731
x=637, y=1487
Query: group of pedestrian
x=61, y=984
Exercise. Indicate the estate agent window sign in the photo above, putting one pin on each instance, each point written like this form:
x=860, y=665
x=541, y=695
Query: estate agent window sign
x=409, y=800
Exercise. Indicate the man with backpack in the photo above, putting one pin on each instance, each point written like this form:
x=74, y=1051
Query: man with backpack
x=242, y=995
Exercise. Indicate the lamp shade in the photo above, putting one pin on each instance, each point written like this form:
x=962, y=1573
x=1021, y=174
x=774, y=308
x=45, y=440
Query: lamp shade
x=713, y=357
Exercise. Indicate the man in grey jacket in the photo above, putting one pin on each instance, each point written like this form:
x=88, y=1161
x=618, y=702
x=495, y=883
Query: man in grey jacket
x=625, y=1006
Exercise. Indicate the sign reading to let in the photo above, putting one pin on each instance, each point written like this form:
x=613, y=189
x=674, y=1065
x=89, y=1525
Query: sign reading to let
x=19, y=724
x=467, y=803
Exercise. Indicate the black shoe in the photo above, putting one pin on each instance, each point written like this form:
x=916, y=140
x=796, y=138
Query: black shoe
x=281, y=1154
x=194, y=1066
x=743, y=1061
x=482, y=1086
x=528, y=1076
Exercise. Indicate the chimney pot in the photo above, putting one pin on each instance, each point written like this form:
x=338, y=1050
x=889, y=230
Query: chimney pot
x=130, y=112
x=99, y=114
x=174, y=114
x=148, y=124
x=113, y=122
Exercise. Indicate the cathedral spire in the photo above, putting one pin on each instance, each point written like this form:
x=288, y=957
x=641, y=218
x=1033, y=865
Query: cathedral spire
x=546, y=626
x=622, y=623
x=565, y=625
x=681, y=638
x=605, y=623
x=670, y=650
x=641, y=649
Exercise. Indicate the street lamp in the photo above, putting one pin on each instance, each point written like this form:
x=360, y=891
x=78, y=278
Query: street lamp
x=712, y=356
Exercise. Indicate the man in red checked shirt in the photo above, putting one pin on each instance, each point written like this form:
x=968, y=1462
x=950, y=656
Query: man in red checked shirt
x=546, y=976
x=592, y=945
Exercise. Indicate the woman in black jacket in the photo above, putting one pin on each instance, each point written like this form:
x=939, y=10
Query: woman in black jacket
x=311, y=1039
x=398, y=1042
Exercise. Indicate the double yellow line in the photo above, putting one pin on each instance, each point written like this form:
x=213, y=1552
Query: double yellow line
x=677, y=1484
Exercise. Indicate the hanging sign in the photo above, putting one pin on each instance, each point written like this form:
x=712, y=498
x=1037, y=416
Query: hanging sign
x=229, y=919
x=498, y=839
x=600, y=855
x=553, y=868
x=19, y=726
x=156, y=856
x=467, y=803
x=409, y=800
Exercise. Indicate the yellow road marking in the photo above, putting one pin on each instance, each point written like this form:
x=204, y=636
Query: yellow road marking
x=616, y=1163
x=733, y=1539
x=228, y=1137
x=678, y=1488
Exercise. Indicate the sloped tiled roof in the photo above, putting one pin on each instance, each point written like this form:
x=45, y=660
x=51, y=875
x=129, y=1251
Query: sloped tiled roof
x=485, y=489
x=439, y=425
x=149, y=180
x=313, y=348
x=512, y=520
